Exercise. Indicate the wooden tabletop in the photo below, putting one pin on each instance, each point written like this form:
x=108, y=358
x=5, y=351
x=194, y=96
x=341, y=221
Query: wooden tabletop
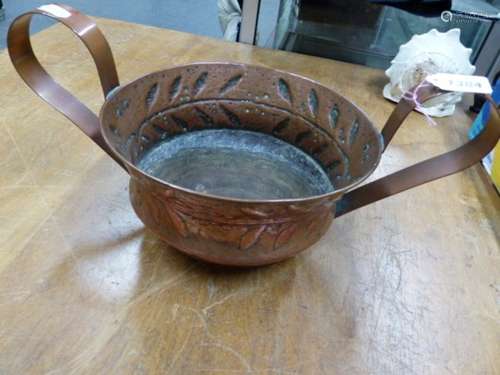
x=409, y=285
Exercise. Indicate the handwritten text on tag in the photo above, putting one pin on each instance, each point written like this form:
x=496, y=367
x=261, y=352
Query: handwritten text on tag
x=460, y=83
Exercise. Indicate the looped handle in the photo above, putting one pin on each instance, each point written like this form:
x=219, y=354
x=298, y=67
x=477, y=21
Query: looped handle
x=428, y=170
x=35, y=76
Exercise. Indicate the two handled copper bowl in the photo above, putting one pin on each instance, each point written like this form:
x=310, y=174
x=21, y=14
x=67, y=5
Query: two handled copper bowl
x=236, y=164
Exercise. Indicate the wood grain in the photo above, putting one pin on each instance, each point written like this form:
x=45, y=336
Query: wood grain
x=409, y=285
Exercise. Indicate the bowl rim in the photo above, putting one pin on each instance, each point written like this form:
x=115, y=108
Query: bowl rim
x=336, y=193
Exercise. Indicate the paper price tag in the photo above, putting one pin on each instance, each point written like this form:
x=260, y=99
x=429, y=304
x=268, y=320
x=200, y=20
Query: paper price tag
x=460, y=83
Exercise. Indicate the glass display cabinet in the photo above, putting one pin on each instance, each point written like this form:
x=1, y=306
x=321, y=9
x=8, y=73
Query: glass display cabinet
x=366, y=33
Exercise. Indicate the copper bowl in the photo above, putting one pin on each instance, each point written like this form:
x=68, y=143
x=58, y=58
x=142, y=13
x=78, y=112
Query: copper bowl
x=255, y=111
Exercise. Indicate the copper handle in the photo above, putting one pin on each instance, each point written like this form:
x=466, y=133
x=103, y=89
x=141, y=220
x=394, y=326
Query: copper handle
x=428, y=170
x=35, y=76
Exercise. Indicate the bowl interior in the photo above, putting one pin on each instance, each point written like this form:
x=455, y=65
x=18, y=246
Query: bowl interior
x=325, y=128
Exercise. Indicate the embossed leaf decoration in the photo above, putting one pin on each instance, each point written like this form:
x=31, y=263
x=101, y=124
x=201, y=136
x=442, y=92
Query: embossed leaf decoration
x=284, y=90
x=366, y=152
x=310, y=226
x=176, y=220
x=299, y=209
x=231, y=84
x=168, y=193
x=233, y=118
x=114, y=129
x=204, y=117
x=181, y=123
x=152, y=95
x=122, y=107
x=200, y=83
x=282, y=125
x=353, y=132
x=155, y=206
x=318, y=150
x=334, y=116
x=175, y=88
x=341, y=135
x=163, y=133
x=251, y=237
x=312, y=101
x=333, y=165
x=145, y=139
x=316, y=223
x=286, y=232
x=254, y=212
x=302, y=136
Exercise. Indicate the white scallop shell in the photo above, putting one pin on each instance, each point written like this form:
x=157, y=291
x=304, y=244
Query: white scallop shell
x=425, y=54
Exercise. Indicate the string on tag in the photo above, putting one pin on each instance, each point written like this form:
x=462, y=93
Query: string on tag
x=413, y=97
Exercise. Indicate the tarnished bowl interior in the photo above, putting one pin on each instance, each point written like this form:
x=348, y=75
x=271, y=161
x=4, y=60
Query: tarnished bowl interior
x=241, y=131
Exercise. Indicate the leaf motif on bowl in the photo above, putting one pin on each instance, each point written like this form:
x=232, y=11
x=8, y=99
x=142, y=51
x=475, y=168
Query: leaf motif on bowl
x=298, y=209
x=251, y=237
x=280, y=126
x=205, y=118
x=176, y=220
x=232, y=117
x=284, y=91
x=152, y=95
x=334, y=116
x=231, y=84
x=286, y=232
x=353, y=133
x=200, y=83
x=312, y=101
x=122, y=107
x=175, y=88
x=254, y=212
